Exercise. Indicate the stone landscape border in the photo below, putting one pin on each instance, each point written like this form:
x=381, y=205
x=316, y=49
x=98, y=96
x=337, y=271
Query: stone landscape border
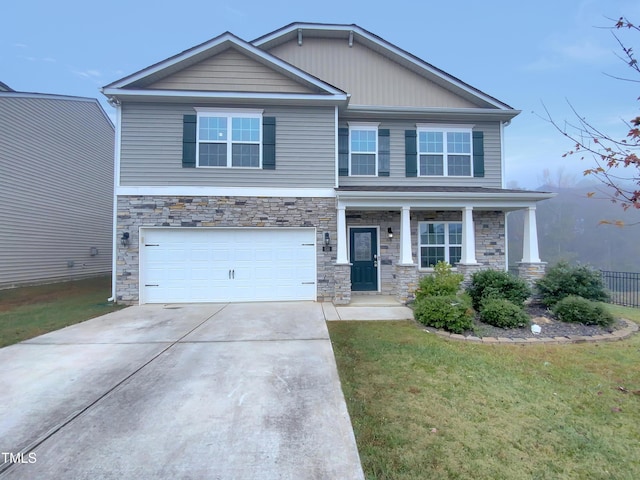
x=620, y=334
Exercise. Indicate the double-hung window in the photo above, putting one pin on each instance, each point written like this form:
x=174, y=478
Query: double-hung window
x=229, y=138
x=445, y=151
x=440, y=241
x=363, y=149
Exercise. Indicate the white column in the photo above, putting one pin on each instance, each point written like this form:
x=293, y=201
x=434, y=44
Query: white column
x=468, y=238
x=530, y=241
x=405, y=237
x=342, y=236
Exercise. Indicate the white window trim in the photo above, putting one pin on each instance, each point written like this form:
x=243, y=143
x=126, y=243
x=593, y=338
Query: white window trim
x=229, y=114
x=446, y=245
x=444, y=128
x=368, y=126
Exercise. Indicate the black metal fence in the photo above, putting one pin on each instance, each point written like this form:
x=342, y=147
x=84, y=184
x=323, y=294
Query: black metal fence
x=624, y=287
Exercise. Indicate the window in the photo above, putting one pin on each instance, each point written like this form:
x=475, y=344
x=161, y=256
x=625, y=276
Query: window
x=440, y=241
x=229, y=138
x=444, y=151
x=363, y=149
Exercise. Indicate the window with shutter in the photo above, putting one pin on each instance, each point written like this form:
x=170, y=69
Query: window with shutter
x=238, y=138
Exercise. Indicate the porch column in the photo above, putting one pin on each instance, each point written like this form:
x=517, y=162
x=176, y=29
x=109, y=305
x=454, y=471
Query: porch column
x=468, y=238
x=342, y=236
x=530, y=241
x=405, y=237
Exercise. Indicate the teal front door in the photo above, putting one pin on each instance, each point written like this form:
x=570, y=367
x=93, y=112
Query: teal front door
x=363, y=244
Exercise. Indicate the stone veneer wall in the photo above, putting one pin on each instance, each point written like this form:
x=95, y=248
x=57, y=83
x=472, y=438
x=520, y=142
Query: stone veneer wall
x=200, y=212
x=401, y=281
x=530, y=272
x=342, y=294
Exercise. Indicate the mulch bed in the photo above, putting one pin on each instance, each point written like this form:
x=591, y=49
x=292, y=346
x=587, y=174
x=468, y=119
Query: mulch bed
x=549, y=325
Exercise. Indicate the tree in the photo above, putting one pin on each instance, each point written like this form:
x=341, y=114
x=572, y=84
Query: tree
x=611, y=155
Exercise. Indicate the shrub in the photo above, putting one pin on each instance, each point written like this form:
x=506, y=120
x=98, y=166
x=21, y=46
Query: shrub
x=442, y=282
x=450, y=312
x=497, y=284
x=503, y=313
x=563, y=280
x=576, y=309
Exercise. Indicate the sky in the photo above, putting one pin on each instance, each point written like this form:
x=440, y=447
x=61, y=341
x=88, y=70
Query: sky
x=551, y=54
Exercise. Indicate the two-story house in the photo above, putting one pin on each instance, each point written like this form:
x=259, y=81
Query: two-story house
x=312, y=163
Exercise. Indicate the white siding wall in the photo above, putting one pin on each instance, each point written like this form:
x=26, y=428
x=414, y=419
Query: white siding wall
x=152, y=150
x=56, y=189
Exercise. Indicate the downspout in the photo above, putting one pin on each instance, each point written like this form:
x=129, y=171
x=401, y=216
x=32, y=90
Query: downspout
x=335, y=136
x=116, y=183
x=502, y=156
x=504, y=182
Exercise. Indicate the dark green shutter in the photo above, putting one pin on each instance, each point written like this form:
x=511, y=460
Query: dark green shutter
x=478, y=154
x=189, y=123
x=383, y=152
x=411, y=153
x=343, y=152
x=269, y=143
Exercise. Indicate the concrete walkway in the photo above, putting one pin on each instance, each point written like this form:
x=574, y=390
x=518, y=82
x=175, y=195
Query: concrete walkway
x=368, y=307
x=238, y=391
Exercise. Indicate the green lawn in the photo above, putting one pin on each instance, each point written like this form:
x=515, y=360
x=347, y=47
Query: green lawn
x=31, y=311
x=425, y=407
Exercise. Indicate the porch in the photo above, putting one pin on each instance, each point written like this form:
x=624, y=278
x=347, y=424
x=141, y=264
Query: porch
x=388, y=239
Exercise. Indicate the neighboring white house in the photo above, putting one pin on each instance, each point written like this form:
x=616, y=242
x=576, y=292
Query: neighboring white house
x=56, y=188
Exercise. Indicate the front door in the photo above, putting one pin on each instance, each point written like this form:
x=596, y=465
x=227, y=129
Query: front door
x=364, y=259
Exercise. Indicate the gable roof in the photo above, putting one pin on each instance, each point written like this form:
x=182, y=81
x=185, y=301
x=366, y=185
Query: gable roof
x=5, y=88
x=135, y=83
x=58, y=98
x=353, y=32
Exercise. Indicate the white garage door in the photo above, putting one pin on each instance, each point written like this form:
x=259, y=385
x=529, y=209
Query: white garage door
x=227, y=265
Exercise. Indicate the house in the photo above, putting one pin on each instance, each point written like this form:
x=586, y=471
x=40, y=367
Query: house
x=313, y=163
x=56, y=188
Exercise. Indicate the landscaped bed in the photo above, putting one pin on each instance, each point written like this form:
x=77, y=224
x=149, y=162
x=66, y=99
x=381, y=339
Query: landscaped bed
x=549, y=327
x=495, y=304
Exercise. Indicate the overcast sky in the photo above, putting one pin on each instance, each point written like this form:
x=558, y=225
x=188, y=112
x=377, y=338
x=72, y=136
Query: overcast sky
x=523, y=53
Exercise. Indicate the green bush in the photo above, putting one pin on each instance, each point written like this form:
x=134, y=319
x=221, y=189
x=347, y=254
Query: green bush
x=576, y=309
x=450, y=312
x=503, y=313
x=563, y=280
x=497, y=284
x=442, y=282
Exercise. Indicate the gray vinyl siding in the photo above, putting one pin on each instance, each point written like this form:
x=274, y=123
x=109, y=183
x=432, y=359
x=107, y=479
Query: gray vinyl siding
x=492, y=156
x=152, y=149
x=56, y=189
x=231, y=71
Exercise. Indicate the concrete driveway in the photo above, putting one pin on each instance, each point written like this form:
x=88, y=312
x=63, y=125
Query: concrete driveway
x=215, y=391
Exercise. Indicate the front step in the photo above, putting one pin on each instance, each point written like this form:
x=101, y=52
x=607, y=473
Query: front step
x=373, y=301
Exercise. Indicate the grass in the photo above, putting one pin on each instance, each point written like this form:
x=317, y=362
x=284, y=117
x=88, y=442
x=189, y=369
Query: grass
x=27, y=312
x=425, y=407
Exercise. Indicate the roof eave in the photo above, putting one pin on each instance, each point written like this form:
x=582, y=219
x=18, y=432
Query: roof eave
x=437, y=113
x=187, y=95
x=442, y=200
